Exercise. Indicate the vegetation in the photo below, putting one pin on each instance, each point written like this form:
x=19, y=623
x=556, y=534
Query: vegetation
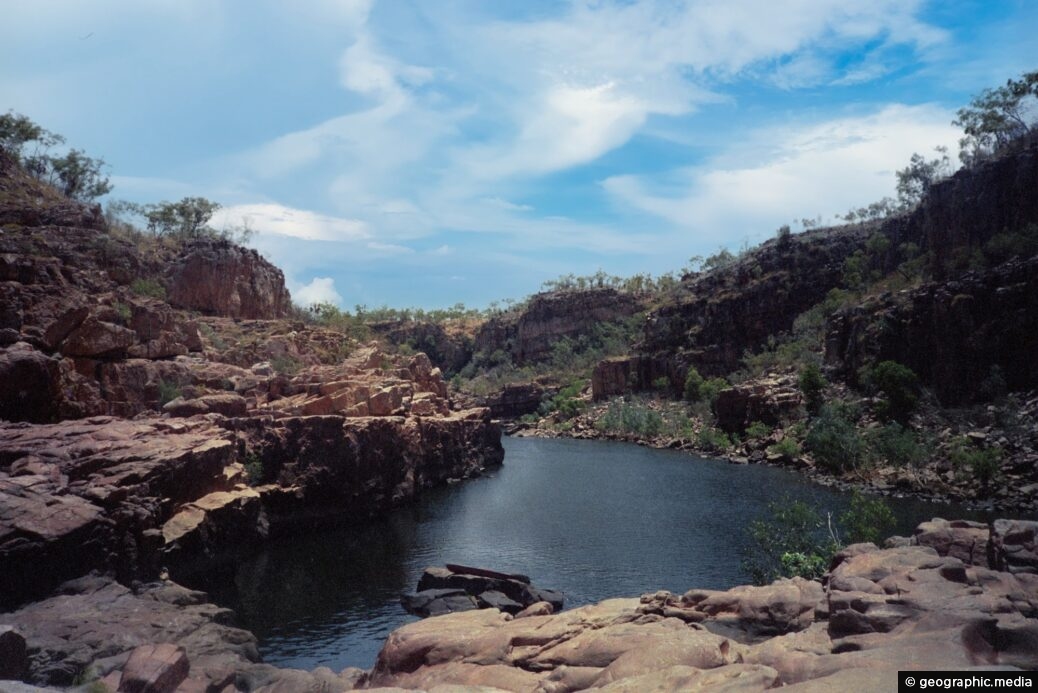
x=798, y=540
x=899, y=386
x=758, y=430
x=833, y=440
x=148, y=287
x=75, y=174
x=713, y=440
x=631, y=418
x=979, y=463
x=566, y=402
x=255, y=472
x=997, y=117
x=812, y=384
x=897, y=445
x=788, y=447
x=168, y=391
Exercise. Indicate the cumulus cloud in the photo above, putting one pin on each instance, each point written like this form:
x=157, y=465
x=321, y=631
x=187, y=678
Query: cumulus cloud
x=825, y=168
x=319, y=290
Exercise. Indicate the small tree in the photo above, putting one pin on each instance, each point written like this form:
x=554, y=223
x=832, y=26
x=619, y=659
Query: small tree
x=996, y=117
x=915, y=180
x=79, y=176
x=812, y=385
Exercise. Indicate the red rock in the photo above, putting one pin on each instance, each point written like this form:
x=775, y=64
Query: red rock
x=98, y=338
x=154, y=669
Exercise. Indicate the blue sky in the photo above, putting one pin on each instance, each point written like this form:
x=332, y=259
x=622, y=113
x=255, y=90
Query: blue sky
x=424, y=153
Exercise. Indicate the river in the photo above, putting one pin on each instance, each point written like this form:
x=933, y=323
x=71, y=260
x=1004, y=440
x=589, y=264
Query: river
x=593, y=519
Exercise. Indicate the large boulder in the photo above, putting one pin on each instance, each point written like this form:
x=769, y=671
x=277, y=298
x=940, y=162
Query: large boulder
x=219, y=278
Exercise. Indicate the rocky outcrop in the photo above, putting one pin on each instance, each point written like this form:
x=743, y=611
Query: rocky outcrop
x=769, y=400
x=711, y=319
x=528, y=334
x=461, y=588
x=624, y=374
x=159, y=634
x=515, y=400
x=448, y=345
x=92, y=494
x=217, y=277
x=874, y=613
x=950, y=333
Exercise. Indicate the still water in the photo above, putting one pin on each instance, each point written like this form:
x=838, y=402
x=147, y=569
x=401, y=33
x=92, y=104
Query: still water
x=593, y=519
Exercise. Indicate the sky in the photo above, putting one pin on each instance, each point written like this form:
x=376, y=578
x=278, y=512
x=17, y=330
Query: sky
x=419, y=153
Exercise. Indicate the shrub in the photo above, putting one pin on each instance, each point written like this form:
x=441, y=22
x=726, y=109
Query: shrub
x=897, y=445
x=168, y=392
x=709, y=390
x=566, y=401
x=834, y=441
x=812, y=384
x=900, y=388
x=255, y=472
x=792, y=541
x=148, y=287
x=123, y=312
x=798, y=539
x=980, y=463
x=713, y=439
x=867, y=520
x=693, y=384
x=787, y=447
x=630, y=417
x=758, y=430
x=285, y=365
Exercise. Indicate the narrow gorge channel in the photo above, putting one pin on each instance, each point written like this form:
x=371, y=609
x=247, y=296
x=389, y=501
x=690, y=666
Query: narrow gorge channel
x=593, y=519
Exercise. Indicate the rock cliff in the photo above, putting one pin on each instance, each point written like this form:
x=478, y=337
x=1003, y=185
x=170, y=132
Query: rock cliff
x=528, y=334
x=951, y=333
x=217, y=277
x=712, y=318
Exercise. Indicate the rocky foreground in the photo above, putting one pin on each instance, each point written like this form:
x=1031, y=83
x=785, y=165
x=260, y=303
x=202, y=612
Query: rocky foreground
x=957, y=595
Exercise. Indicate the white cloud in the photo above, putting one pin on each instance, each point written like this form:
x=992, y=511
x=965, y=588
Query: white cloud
x=268, y=218
x=784, y=173
x=319, y=290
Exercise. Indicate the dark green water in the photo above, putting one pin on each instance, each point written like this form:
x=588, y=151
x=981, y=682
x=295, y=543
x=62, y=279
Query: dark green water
x=593, y=519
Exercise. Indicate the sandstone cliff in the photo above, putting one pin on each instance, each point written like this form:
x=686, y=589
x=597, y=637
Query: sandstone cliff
x=528, y=334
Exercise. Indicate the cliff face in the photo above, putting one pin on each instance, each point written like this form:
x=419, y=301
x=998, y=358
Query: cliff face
x=711, y=319
x=966, y=210
x=219, y=278
x=323, y=431
x=528, y=335
x=450, y=350
x=950, y=333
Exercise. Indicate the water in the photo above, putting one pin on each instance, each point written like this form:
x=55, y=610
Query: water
x=590, y=518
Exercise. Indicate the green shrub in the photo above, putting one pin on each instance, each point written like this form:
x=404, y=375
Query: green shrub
x=867, y=520
x=812, y=385
x=980, y=463
x=168, y=392
x=693, y=385
x=662, y=384
x=758, y=430
x=834, y=441
x=787, y=447
x=285, y=365
x=798, y=539
x=900, y=388
x=897, y=445
x=148, y=287
x=791, y=539
x=255, y=472
x=630, y=417
x=566, y=401
x=709, y=390
x=713, y=439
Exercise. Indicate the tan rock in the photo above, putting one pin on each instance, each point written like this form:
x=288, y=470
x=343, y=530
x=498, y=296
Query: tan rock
x=154, y=669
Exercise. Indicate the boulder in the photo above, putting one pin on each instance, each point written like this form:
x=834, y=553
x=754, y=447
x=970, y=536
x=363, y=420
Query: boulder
x=226, y=404
x=1014, y=546
x=962, y=539
x=14, y=660
x=508, y=592
x=154, y=669
x=97, y=338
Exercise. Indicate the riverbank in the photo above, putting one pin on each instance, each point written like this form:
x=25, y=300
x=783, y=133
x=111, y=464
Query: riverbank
x=1012, y=488
x=955, y=595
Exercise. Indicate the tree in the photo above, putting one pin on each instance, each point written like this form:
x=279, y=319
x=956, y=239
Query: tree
x=79, y=176
x=996, y=117
x=900, y=387
x=186, y=219
x=916, y=179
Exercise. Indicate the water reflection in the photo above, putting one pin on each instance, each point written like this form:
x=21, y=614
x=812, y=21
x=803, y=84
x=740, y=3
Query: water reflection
x=590, y=518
